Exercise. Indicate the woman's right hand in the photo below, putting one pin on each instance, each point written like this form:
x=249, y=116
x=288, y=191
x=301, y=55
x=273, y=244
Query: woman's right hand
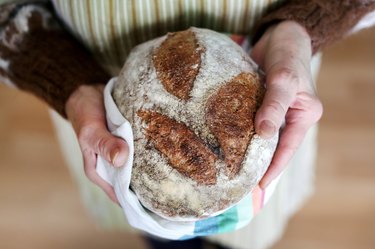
x=85, y=110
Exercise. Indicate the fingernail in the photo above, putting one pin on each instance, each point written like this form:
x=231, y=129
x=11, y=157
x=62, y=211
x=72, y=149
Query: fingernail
x=267, y=129
x=263, y=184
x=114, y=156
x=118, y=159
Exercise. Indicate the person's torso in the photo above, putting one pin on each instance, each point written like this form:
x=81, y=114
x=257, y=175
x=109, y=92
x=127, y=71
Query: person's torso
x=111, y=28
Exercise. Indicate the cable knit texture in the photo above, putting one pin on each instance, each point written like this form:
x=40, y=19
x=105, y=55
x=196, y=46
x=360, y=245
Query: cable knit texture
x=40, y=57
x=326, y=21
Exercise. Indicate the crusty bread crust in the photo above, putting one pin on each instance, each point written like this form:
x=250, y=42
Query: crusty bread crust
x=185, y=151
x=177, y=63
x=196, y=151
x=230, y=117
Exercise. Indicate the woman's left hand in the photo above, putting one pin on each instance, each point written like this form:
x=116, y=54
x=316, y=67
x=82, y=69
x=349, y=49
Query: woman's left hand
x=284, y=54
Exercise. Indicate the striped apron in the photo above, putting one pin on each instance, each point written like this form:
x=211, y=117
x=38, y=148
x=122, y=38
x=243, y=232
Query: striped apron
x=110, y=29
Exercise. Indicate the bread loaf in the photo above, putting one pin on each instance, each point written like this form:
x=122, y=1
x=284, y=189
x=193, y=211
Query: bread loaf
x=191, y=97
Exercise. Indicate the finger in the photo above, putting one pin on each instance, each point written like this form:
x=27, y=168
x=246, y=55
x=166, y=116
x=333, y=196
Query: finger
x=306, y=103
x=290, y=139
x=281, y=91
x=305, y=112
x=257, y=51
x=113, y=149
x=286, y=63
x=89, y=162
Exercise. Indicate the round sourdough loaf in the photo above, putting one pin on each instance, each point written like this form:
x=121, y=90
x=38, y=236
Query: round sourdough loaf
x=191, y=97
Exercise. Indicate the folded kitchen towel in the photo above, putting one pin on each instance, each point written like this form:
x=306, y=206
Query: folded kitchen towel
x=141, y=218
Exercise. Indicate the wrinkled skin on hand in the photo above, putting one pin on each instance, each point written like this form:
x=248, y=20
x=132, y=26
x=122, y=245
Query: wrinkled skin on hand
x=290, y=103
x=85, y=110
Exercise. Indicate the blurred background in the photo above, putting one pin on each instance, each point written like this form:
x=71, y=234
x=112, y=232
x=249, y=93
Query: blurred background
x=40, y=206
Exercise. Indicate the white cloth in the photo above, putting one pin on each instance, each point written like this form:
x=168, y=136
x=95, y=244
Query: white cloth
x=120, y=178
x=366, y=22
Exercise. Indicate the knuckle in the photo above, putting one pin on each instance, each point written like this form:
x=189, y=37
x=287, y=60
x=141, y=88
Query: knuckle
x=88, y=164
x=91, y=175
x=275, y=106
x=312, y=106
x=83, y=134
x=286, y=75
x=83, y=89
x=316, y=107
x=86, y=134
x=89, y=172
x=289, y=150
x=318, y=110
x=102, y=144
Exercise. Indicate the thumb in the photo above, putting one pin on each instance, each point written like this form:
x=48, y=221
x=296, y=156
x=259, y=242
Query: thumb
x=113, y=149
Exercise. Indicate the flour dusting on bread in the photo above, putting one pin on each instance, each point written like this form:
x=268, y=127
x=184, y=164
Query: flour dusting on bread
x=164, y=189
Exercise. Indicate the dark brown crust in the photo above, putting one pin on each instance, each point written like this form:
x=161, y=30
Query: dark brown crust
x=185, y=151
x=177, y=62
x=230, y=117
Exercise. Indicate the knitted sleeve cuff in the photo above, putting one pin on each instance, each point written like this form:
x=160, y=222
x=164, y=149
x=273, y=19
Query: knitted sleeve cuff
x=38, y=56
x=326, y=21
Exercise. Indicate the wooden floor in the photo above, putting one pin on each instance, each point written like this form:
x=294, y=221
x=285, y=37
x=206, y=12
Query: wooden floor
x=40, y=206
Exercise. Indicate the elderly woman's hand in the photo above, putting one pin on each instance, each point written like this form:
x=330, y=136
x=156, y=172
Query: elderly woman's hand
x=284, y=54
x=85, y=110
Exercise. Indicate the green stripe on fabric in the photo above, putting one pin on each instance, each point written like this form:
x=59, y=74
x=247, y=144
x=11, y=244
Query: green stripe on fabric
x=141, y=10
x=114, y=37
x=149, y=18
x=245, y=211
x=260, y=9
x=137, y=36
x=73, y=17
x=237, y=15
x=239, y=18
x=104, y=23
x=220, y=15
x=245, y=19
x=157, y=17
x=187, y=12
x=81, y=12
x=90, y=24
x=228, y=220
x=181, y=14
x=230, y=13
x=202, y=18
x=120, y=31
x=99, y=32
x=105, y=20
x=127, y=18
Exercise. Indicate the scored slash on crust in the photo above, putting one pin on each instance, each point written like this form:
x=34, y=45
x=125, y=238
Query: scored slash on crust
x=177, y=62
x=229, y=115
x=185, y=151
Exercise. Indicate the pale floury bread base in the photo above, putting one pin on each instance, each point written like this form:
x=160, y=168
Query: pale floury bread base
x=161, y=188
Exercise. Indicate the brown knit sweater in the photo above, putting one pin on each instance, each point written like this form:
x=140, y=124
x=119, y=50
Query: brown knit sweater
x=326, y=21
x=42, y=58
